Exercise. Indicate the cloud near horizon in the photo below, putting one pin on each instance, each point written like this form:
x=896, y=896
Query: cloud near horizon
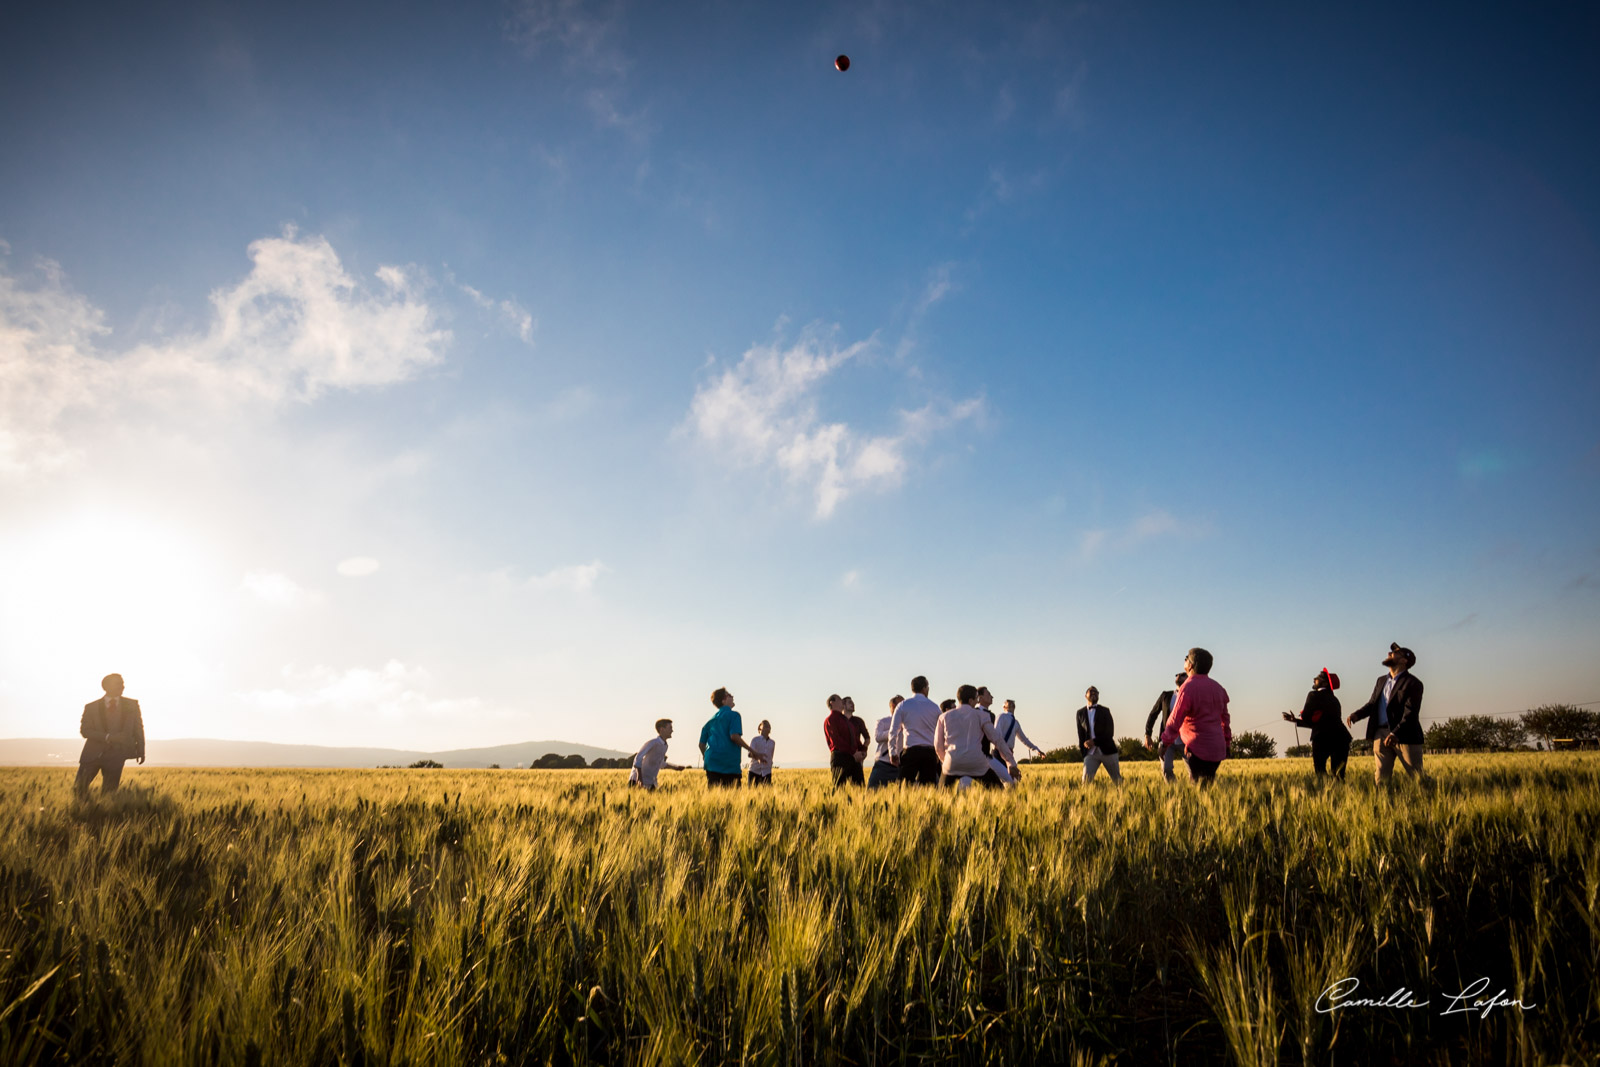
x=764, y=411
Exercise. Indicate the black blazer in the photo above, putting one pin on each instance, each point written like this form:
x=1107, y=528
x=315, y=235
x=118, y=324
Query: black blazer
x=1105, y=736
x=128, y=740
x=1321, y=713
x=1405, y=709
x=1162, y=709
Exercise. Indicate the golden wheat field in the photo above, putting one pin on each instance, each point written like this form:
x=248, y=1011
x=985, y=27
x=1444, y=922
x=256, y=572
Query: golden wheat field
x=488, y=917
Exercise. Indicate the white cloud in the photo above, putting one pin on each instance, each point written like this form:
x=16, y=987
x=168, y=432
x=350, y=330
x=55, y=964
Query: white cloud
x=296, y=327
x=358, y=566
x=391, y=695
x=278, y=589
x=576, y=578
x=764, y=411
x=47, y=366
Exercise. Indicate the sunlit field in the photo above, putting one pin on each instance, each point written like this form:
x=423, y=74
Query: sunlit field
x=478, y=917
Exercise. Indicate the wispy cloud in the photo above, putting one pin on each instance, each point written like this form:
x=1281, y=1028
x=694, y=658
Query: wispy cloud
x=575, y=578
x=1151, y=526
x=586, y=33
x=764, y=411
x=517, y=317
x=358, y=566
x=940, y=284
x=297, y=326
x=278, y=590
x=357, y=699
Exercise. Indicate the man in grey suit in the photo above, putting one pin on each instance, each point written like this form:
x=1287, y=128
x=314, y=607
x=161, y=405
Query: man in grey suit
x=113, y=732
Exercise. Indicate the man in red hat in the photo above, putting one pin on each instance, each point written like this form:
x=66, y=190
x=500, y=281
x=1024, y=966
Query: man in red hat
x=1394, y=715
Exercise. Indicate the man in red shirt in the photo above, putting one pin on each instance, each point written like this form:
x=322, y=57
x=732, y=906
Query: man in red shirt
x=843, y=741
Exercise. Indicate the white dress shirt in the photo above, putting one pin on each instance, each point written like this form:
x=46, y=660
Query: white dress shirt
x=958, y=739
x=880, y=734
x=913, y=724
x=761, y=755
x=647, y=764
x=1009, y=728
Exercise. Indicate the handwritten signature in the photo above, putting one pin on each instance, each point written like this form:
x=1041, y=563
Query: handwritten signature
x=1341, y=995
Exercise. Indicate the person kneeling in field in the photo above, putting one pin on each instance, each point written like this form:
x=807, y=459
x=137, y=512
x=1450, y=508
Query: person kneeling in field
x=652, y=757
x=1200, y=718
x=958, y=740
x=761, y=749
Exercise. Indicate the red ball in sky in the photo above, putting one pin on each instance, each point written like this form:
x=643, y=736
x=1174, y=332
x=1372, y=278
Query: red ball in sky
x=843, y=63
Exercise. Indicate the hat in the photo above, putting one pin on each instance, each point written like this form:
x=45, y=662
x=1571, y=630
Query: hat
x=1411, y=657
x=1332, y=679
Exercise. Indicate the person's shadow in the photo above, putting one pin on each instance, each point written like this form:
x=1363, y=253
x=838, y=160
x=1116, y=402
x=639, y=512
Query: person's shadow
x=129, y=803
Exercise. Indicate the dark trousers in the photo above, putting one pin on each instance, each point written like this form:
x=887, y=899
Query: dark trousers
x=1332, y=754
x=108, y=767
x=1203, y=771
x=920, y=766
x=988, y=781
x=760, y=779
x=883, y=773
x=717, y=779
x=846, y=770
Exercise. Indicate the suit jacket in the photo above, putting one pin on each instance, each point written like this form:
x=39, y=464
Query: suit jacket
x=1162, y=709
x=127, y=742
x=1321, y=713
x=1105, y=736
x=1404, y=711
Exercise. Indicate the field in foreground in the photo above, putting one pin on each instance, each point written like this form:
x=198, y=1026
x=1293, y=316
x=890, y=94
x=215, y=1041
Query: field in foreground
x=440, y=917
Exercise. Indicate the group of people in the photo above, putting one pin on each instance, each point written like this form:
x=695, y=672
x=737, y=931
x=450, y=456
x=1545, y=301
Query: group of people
x=961, y=742
x=958, y=743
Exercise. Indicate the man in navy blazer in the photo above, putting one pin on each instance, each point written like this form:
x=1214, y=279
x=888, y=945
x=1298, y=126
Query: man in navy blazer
x=1394, y=715
x=1097, y=735
x=113, y=733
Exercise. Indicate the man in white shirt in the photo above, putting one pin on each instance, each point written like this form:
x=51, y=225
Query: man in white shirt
x=884, y=771
x=652, y=757
x=1011, y=731
x=761, y=749
x=911, y=736
x=959, y=738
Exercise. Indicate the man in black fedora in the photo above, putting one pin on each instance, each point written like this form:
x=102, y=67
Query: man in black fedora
x=113, y=733
x=1394, y=716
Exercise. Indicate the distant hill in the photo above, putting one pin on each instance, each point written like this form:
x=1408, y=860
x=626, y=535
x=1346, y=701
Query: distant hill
x=202, y=752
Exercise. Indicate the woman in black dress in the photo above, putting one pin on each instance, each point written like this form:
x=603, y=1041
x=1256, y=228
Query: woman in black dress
x=1330, y=739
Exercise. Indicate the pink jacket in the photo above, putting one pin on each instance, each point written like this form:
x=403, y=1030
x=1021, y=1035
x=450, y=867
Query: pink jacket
x=1200, y=717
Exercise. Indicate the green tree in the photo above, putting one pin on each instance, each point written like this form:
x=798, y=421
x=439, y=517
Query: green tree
x=1298, y=752
x=426, y=763
x=1132, y=749
x=1252, y=744
x=1552, y=721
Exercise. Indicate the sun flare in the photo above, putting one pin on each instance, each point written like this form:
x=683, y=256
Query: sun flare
x=92, y=593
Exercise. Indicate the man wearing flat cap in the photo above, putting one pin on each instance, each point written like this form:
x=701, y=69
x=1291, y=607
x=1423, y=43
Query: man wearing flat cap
x=1394, y=716
x=113, y=733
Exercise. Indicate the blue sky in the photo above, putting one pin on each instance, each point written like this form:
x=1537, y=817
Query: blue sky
x=426, y=376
